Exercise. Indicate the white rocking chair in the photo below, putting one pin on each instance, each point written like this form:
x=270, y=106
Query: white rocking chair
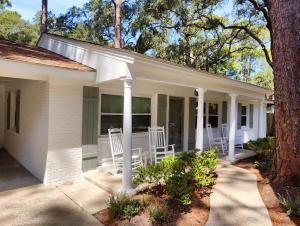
x=219, y=142
x=238, y=139
x=157, y=144
x=116, y=147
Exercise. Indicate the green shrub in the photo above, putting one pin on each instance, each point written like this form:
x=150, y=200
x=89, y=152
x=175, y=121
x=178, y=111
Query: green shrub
x=261, y=144
x=155, y=173
x=159, y=214
x=123, y=207
x=292, y=205
x=179, y=188
x=181, y=173
x=263, y=164
x=203, y=168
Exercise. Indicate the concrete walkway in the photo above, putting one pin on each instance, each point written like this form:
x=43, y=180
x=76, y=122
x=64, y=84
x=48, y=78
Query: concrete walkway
x=235, y=200
x=25, y=201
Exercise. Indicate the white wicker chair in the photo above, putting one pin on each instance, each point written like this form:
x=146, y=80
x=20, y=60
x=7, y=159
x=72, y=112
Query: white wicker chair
x=116, y=147
x=157, y=144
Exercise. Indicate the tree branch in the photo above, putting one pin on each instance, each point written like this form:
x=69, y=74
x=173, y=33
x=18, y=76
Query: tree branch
x=252, y=35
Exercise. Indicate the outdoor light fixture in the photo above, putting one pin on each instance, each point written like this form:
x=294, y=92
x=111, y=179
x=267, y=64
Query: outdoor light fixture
x=195, y=92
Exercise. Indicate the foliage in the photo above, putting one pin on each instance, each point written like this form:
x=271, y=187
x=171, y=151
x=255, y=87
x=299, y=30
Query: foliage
x=123, y=207
x=159, y=214
x=264, y=148
x=15, y=29
x=181, y=173
x=203, y=167
x=4, y=4
x=263, y=78
x=292, y=205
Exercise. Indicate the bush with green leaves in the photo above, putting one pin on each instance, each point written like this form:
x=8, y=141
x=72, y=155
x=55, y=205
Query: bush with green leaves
x=292, y=205
x=179, y=174
x=123, y=207
x=264, y=148
x=159, y=214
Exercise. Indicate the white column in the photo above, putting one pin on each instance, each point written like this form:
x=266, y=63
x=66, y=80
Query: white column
x=262, y=118
x=232, y=127
x=127, y=137
x=199, y=132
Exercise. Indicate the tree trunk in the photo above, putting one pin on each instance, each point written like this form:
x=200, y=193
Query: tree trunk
x=285, y=17
x=43, y=27
x=118, y=40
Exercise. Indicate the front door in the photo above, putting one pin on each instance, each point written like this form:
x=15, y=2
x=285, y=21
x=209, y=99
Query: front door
x=176, y=109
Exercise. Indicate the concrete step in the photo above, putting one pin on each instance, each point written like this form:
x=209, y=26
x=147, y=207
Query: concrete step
x=111, y=183
x=85, y=194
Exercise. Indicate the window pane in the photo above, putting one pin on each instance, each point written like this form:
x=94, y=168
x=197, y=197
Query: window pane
x=141, y=105
x=213, y=120
x=244, y=120
x=140, y=123
x=213, y=109
x=111, y=103
x=204, y=122
x=111, y=121
x=244, y=110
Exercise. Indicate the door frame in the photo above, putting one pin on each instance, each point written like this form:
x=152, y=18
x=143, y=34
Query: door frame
x=183, y=118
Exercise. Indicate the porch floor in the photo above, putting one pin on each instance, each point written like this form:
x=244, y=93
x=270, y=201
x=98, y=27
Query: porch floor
x=12, y=174
x=239, y=155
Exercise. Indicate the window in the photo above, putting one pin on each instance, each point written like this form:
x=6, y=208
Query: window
x=13, y=111
x=213, y=116
x=244, y=116
x=112, y=113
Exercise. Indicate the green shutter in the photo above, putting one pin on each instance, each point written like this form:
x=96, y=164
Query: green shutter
x=224, y=112
x=8, y=110
x=239, y=116
x=192, y=123
x=162, y=110
x=90, y=128
x=251, y=115
x=17, y=113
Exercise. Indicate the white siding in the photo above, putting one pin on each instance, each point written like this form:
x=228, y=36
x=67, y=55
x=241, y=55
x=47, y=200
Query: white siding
x=29, y=147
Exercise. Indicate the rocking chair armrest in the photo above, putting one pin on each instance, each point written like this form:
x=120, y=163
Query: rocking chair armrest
x=172, y=146
x=137, y=149
x=218, y=139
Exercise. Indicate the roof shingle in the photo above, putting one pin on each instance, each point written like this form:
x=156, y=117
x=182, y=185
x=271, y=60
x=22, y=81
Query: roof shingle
x=36, y=55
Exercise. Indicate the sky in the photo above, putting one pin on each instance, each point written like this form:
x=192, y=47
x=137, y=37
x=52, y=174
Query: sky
x=28, y=8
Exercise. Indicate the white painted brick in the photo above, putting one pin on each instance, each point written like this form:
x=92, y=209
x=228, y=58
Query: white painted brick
x=64, y=160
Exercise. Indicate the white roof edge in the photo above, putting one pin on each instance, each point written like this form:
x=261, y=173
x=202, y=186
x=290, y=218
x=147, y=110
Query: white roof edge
x=132, y=57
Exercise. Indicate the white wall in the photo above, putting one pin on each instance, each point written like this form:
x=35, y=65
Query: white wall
x=30, y=146
x=2, y=114
x=64, y=160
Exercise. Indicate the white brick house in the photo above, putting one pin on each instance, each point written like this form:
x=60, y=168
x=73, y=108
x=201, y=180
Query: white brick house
x=67, y=105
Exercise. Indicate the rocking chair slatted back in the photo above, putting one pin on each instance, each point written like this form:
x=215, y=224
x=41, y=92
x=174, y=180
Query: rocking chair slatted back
x=116, y=143
x=157, y=137
x=224, y=130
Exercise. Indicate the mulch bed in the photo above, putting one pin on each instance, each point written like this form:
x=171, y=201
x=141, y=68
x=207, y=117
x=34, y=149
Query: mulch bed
x=269, y=194
x=195, y=214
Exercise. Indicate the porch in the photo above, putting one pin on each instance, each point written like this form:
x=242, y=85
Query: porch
x=176, y=108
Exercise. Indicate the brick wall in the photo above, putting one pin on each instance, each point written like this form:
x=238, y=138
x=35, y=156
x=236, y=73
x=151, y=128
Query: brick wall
x=64, y=138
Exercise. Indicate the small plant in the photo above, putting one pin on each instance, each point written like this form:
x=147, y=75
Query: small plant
x=292, y=205
x=263, y=164
x=123, y=207
x=158, y=215
x=179, y=188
